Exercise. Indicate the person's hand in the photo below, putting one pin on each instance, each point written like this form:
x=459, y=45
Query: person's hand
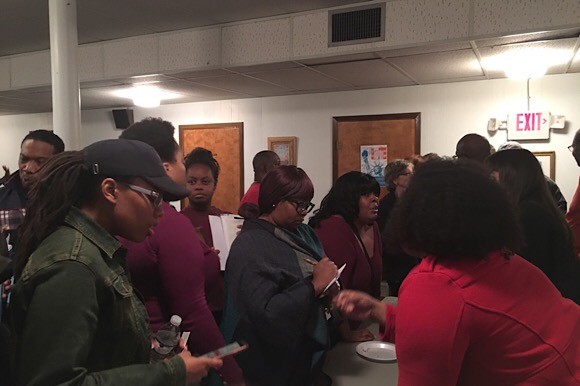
x=360, y=306
x=8, y=285
x=197, y=367
x=216, y=251
x=324, y=272
x=361, y=335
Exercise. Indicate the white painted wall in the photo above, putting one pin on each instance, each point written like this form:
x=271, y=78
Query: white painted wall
x=448, y=111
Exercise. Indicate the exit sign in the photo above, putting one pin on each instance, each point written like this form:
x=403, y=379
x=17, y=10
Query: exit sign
x=528, y=125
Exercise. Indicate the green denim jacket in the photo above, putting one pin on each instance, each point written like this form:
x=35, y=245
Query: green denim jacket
x=76, y=319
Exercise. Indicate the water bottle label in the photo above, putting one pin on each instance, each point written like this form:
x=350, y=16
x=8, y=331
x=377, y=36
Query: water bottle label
x=161, y=349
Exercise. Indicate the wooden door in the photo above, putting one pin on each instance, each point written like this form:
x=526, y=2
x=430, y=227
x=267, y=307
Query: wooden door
x=400, y=132
x=225, y=141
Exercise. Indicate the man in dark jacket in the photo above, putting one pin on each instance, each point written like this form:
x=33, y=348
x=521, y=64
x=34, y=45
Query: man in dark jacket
x=36, y=148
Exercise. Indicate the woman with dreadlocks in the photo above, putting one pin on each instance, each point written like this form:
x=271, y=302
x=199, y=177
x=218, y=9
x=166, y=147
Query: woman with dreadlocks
x=75, y=316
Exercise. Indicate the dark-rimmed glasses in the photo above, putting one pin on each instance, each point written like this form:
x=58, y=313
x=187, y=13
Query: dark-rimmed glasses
x=302, y=207
x=154, y=197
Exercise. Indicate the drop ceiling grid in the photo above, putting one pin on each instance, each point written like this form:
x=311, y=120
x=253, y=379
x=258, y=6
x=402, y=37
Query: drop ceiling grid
x=439, y=67
x=368, y=73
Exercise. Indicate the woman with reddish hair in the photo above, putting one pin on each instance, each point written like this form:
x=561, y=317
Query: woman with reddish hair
x=276, y=279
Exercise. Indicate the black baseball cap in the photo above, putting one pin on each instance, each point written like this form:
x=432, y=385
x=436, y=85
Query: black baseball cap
x=130, y=158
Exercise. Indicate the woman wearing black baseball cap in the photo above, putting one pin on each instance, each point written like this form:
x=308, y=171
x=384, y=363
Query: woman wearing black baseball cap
x=75, y=317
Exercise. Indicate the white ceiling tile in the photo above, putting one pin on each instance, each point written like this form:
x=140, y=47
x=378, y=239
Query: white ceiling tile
x=424, y=49
x=198, y=74
x=91, y=62
x=497, y=17
x=144, y=79
x=263, y=67
x=4, y=74
x=30, y=70
x=530, y=37
x=241, y=84
x=196, y=90
x=339, y=59
x=439, y=66
x=564, y=47
x=301, y=79
x=367, y=73
x=131, y=57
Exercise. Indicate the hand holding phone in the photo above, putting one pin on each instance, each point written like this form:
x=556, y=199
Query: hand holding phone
x=230, y=349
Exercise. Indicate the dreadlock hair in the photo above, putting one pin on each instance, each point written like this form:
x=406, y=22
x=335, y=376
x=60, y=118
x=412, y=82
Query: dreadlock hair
x=202, y=156
x=63, y=182
x=344, y=196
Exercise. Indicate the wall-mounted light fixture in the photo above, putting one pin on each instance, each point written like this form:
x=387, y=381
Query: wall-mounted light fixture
x=146, y=95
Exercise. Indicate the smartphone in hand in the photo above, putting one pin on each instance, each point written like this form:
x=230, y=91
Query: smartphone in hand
x=230, y=349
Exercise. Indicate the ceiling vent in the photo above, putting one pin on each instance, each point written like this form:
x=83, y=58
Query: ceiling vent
x=356, y=25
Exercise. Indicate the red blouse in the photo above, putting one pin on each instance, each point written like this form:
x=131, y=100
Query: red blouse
x=489, y=322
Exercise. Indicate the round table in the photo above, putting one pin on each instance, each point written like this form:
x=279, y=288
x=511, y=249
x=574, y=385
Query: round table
x=347, y=368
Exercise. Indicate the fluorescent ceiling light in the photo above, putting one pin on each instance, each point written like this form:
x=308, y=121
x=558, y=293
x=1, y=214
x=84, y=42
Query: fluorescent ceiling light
x=146, y=96
x=526, y=63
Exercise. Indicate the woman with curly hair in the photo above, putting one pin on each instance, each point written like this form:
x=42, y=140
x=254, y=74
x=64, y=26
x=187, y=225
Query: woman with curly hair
x=472, y=312
x=346, y=226
x=547, y=238
x=396, y=263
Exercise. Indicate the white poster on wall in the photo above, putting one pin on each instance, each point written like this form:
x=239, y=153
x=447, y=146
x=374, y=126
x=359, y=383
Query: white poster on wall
x=373, y=159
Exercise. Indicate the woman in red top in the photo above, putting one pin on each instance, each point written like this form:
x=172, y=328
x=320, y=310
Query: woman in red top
x=202, y=172
x=472, y=312
x=346, y=226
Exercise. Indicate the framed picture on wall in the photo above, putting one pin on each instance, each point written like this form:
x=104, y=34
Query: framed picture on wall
x=548, y=161
x=285, y=147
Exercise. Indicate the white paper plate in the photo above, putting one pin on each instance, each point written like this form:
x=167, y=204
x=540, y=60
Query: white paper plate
x=377, y=351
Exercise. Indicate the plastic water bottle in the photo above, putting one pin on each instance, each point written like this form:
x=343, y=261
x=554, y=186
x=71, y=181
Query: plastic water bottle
x=167, y=339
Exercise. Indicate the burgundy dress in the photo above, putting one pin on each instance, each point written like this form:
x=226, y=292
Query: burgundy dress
x=340, y=244
x=214, y=280
x=165, y=269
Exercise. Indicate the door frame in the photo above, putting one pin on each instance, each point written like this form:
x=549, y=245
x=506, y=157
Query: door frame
x=362, y=118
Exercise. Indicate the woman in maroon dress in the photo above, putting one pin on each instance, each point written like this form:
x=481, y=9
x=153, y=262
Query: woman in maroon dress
x=346, y=226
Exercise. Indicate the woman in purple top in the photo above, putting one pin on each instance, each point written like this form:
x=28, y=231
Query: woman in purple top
x=346, y=226
x=168, y=267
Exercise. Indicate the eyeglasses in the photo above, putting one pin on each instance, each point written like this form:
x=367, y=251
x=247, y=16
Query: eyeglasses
x=154, y=197
x=571, y=148
x=302, y=207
